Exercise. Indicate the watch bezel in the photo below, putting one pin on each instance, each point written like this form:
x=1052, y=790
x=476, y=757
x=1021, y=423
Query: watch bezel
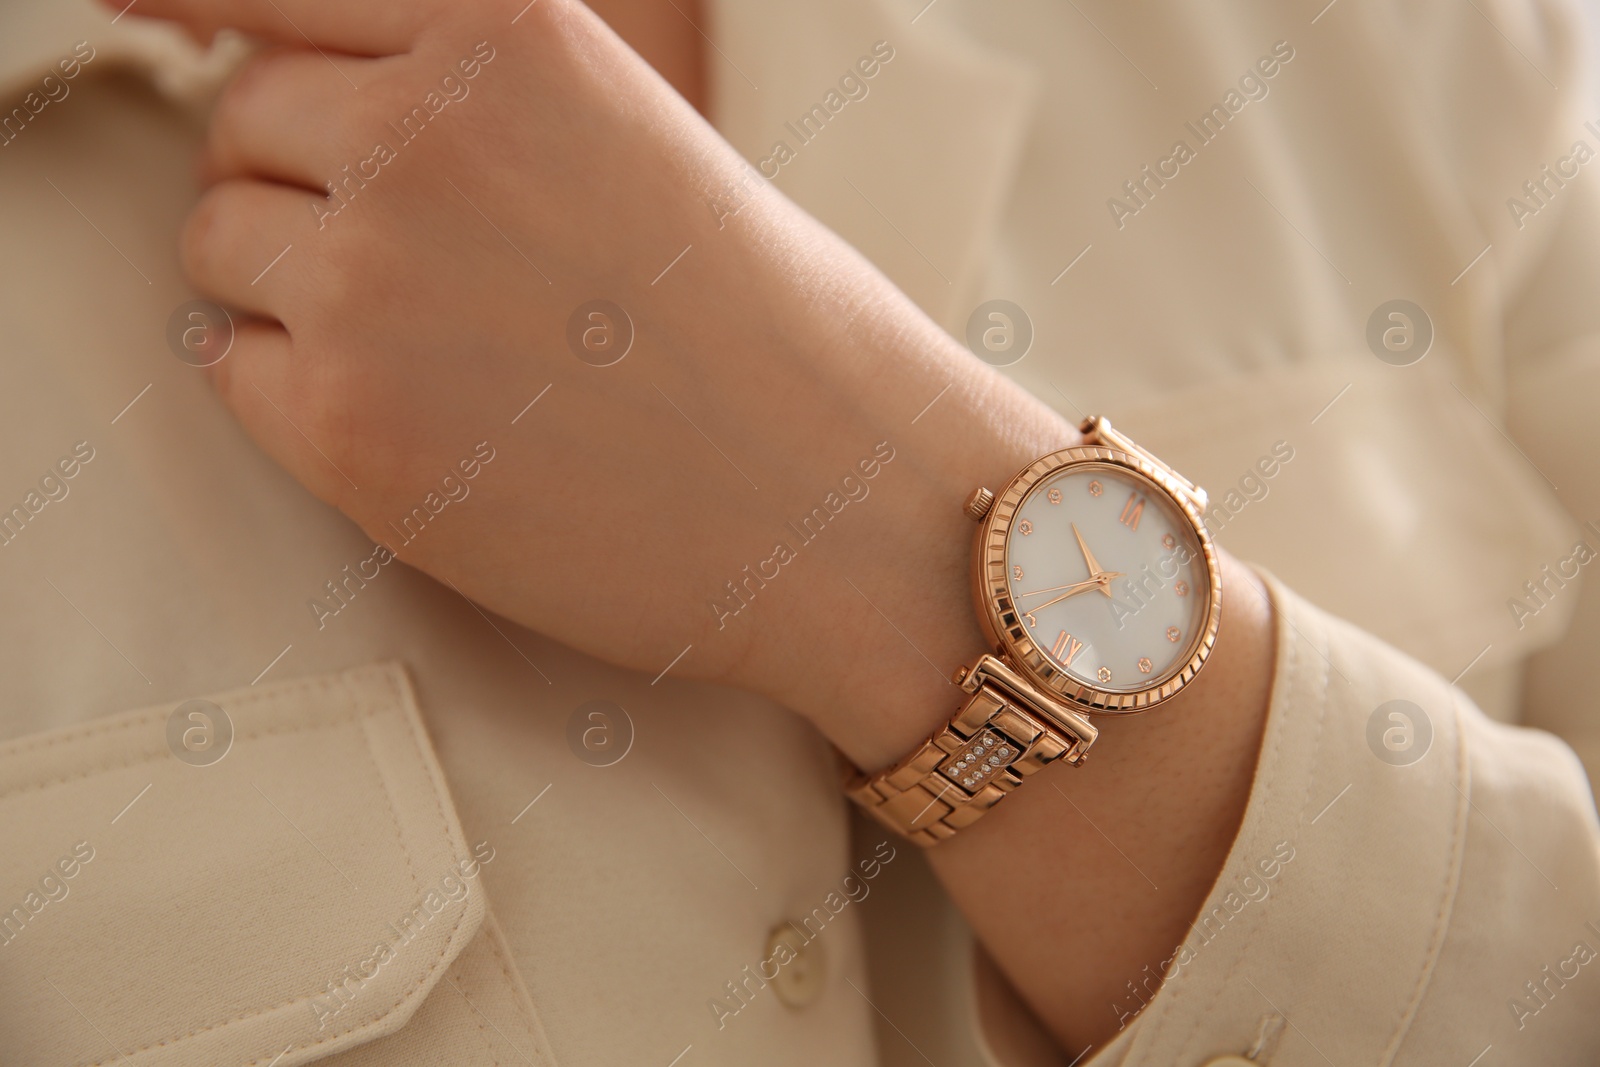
x=1002, y=622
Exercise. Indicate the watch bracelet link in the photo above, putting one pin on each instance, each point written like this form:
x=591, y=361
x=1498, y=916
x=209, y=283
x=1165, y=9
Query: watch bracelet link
x=1006, y=730
x=991, y=745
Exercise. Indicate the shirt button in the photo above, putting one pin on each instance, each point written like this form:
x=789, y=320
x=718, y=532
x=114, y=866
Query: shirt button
x=801, y=978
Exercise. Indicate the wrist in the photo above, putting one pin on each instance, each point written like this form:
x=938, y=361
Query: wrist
x=1170, y=786
x=886, y=617
x=864, y=640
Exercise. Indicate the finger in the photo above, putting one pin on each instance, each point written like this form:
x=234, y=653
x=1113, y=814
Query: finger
x=359, y=27
x=249, y=244
x=278, y=399
x=286, y=116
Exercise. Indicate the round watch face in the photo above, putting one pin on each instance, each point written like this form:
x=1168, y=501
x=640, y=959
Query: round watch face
x=1108, y=578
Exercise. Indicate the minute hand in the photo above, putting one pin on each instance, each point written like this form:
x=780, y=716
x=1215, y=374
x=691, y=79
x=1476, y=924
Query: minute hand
x=1057, y=588
x=1099, y=581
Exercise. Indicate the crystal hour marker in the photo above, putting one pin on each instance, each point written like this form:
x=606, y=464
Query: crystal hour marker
x=1104, y=674
x=1144, y=665
x=1095, y=488
x=1173, y=634
x=1024, y=527
x=1054, y=495
x=1016, y=574
x=1181, y=588
x=1167, y=542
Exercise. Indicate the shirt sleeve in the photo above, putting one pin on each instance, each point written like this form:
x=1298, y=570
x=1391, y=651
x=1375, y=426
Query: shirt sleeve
x=1552, y=387
x=1412, y=884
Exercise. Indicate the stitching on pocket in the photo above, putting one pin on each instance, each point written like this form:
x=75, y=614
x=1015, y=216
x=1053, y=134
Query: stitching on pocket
x=285, y=689
x=398, y=706
x=160, y=754
x=377, y=772
x=26, y=745
x=483, y=1034
x=514, y=985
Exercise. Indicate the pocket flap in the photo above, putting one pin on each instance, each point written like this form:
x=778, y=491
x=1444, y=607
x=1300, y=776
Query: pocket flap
x=171, y=895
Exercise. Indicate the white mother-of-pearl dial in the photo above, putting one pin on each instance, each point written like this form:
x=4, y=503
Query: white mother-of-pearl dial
x=1108, y=576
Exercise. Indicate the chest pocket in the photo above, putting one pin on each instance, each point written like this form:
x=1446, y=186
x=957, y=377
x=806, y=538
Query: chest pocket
x=274, y=876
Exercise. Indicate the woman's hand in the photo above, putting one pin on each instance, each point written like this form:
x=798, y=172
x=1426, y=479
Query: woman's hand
x=493, y=167
x=771, y=478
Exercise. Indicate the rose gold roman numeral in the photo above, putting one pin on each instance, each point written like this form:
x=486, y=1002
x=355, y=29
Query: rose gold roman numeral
x=1065, y=648
x=1132, y=510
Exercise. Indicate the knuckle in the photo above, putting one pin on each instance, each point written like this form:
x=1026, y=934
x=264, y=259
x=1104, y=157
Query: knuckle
x=240, y=103
x=197, y=245
x=245, y=89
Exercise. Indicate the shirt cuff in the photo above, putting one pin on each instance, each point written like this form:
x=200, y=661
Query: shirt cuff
x=1410, y=884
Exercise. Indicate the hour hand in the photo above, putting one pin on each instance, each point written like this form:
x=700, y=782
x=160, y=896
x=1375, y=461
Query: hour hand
x=1088, y=557
x=1095, y=573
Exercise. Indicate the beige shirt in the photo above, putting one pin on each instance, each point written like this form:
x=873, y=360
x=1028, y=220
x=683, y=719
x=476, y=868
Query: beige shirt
x=410, y=862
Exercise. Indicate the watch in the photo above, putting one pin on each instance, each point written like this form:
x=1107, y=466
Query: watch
x=1098, y=589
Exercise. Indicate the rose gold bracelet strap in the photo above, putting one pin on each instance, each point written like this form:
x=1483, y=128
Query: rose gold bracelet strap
x=952, y=779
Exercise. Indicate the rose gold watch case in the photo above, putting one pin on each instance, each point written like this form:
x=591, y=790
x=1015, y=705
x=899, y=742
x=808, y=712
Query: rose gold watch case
x=1002, y=622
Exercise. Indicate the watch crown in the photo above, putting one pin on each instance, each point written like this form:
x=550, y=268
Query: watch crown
x=960, y=675
x=978, y=504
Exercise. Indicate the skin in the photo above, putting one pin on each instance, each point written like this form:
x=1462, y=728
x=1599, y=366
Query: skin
x=401, y=332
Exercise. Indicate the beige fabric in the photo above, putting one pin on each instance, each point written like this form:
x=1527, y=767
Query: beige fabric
x=1229, y=312
x=1410, y=904
x=1221, y=319
x=364, y=907
x=630, y=895
x=1211, y=325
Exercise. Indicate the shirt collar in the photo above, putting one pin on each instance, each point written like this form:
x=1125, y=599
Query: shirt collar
x=37, y=35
